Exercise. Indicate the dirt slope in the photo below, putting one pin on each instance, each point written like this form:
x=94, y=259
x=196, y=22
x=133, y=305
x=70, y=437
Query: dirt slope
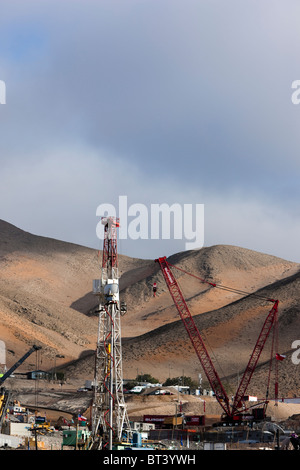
x=46, y=299
x=45, y=295
x=230, y=334
x=226, y=265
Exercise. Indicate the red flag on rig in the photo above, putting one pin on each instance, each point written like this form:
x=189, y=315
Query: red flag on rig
x=81, y=418
x=280, y=357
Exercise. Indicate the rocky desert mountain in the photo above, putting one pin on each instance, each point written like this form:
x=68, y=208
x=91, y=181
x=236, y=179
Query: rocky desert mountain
x=46, y=299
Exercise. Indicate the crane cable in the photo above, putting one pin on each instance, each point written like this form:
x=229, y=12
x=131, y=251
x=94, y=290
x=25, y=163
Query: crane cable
x=220, y=286
x=204, y=336
x=36, y=384
x=240, y=292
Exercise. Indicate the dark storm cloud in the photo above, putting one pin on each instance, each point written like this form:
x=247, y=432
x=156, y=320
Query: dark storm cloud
x=192, y=99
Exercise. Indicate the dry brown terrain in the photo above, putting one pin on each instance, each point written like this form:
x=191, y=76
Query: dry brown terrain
x=46, y=299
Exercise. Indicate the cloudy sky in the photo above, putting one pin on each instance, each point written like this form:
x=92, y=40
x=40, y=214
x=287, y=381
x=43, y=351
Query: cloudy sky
x=161, y=101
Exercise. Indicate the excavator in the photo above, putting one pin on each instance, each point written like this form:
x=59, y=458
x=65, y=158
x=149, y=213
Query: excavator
x=4, y=393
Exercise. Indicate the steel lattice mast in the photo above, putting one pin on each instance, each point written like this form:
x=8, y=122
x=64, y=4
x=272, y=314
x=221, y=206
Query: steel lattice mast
x=109, y=416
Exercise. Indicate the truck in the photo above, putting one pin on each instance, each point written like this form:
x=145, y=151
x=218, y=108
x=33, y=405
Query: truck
x=138, y=389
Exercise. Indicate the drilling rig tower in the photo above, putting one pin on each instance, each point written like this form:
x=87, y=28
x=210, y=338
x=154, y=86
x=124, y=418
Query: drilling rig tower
x=109, y=415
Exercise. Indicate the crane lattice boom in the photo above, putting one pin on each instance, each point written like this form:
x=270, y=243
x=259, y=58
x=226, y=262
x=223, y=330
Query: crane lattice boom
x=201, y=351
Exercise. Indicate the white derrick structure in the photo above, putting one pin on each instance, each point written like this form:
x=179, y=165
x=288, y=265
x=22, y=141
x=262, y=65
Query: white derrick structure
x=109, y=415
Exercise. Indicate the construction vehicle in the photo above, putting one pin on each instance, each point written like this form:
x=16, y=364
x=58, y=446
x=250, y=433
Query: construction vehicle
x=4, y=401
x=237, y=410
x=41, y=426
x=18, y=363
x=5, y=394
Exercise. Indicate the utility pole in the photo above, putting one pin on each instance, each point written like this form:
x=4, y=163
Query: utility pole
x=109, y=415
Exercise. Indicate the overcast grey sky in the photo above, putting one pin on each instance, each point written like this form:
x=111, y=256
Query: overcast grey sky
x=164, y=101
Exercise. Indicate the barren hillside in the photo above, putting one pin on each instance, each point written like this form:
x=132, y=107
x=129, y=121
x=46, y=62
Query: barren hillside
x=230, y=266
x=230, y=334
x=46, y=294
x=46, y=299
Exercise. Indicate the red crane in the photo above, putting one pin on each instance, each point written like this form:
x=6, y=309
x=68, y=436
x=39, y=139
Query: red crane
x=201, y=351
